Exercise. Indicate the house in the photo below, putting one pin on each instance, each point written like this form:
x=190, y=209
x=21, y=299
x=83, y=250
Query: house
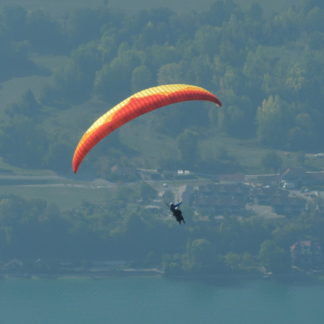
x=14, y=265
x=291, y=178
x=306, y=255
x=149, y=174
x=219, y=198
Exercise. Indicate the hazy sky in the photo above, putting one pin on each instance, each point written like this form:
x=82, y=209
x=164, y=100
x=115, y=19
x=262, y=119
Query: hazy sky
x=59, y=6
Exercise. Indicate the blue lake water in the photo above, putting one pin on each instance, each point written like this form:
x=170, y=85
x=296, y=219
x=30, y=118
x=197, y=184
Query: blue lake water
x=136, y=300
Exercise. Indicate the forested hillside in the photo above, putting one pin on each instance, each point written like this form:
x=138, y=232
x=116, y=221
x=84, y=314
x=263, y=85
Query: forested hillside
x=267, y=69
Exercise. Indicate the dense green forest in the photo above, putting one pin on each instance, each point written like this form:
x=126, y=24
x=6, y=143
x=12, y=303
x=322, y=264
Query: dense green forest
x=268, y=70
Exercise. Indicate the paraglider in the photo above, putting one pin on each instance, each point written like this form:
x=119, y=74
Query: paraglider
x=134, y=106
x=176, y=212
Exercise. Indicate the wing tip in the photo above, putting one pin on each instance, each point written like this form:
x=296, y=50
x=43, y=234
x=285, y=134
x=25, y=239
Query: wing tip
x=218, y=102
x=74, y=167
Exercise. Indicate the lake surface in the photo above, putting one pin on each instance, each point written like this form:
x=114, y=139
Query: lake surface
x=136, y=300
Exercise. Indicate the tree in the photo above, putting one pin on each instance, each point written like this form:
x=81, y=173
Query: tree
x=199, y=253
x=239, y=262
x=273, y=122
x=233, y=261
x=207, y=39
x=141, y=78
x=272, y=161
x=57, y=155
x=273, y=257
x=170, y=73
x=14, y=57
x=113, y=81
x=27, y=106
x=219, y=12
x=71, y=86
x=44, y=33
x=233, y=120
x=23, y=142
x=147, y=192
x=187, y=143
x=302, y=136
x=84, y=25
x=88, y=58
x=13, y=21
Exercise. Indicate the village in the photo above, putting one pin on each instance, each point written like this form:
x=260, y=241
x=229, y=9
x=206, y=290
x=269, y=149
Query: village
x=283, y=195
x=269, y=196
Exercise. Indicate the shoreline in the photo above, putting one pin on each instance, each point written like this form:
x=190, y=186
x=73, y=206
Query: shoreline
x=157, y=273
x=84, y=274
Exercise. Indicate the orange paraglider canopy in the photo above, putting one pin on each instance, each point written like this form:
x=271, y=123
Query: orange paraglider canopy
x=138, y=104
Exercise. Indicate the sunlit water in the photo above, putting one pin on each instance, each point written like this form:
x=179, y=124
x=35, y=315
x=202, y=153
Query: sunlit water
x=155, y=301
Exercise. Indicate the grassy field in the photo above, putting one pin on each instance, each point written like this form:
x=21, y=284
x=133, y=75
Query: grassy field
x=14, y=88
x=65, y=197
x=249, y=153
